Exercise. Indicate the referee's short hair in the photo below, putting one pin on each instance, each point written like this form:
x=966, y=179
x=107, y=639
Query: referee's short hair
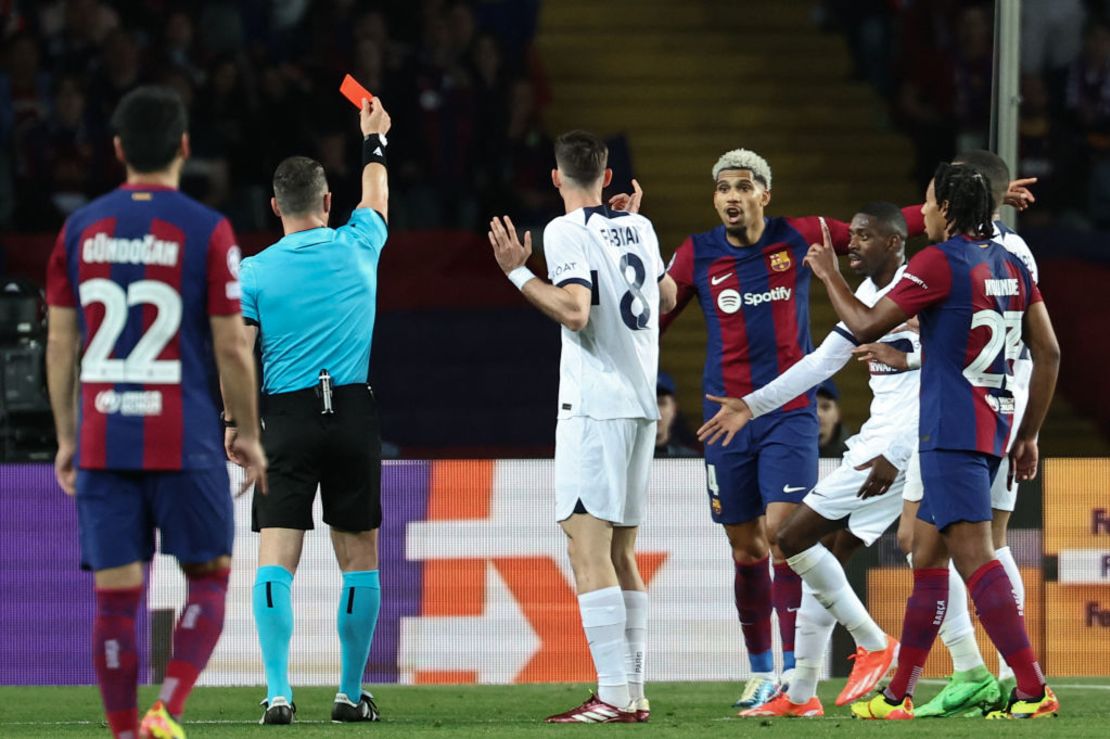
x=150, y=121
x=299, y=186
x=581, y=156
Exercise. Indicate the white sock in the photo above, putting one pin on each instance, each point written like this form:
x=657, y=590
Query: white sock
x=819, y=569
x=956, y=632
x=811, y=637
x=603, y=619
x=635, y=636
x=1006, y=557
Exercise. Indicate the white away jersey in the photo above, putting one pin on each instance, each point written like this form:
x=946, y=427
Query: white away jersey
x=1023, y=365
x=608, y=369
x=891, y=430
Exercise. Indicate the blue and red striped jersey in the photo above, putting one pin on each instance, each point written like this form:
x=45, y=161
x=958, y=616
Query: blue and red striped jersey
x=970, y=298
x=146, y=267
x=756, y=300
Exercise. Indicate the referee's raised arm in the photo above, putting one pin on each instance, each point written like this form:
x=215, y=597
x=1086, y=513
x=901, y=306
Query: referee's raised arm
x=310, y=299
x=374, y=121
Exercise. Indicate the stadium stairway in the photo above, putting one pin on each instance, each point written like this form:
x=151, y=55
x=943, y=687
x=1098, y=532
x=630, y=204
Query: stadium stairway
x=685, y=87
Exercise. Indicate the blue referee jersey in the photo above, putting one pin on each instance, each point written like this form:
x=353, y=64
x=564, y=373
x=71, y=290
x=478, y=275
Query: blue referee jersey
x=313, y=295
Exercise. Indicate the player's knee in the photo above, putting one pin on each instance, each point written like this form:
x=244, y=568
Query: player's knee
x=748, y=542
x=790, y=540
x=624, y=562
x=199, y=569
x=750, y=551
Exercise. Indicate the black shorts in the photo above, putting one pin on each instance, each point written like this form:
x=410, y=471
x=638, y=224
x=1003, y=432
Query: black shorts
x=340, y=452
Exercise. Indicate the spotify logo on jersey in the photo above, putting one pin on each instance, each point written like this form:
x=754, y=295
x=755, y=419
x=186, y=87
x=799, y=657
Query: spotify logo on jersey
x=728, y=301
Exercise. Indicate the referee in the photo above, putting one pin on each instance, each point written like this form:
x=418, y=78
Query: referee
x=311, y=299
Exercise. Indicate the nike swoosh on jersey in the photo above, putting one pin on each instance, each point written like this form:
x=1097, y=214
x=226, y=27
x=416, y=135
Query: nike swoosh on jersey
x=788, y=489
x=719, y=279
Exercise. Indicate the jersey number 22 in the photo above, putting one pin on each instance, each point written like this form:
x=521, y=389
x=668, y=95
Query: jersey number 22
x=142, y=364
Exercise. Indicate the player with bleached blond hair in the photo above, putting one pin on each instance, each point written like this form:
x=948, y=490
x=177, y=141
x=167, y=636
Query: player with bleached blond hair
x=748, y=277
x=753, y=289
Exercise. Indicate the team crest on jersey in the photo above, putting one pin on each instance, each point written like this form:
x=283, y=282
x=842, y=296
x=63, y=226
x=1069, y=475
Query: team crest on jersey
x=234, y=256
x=780, y=261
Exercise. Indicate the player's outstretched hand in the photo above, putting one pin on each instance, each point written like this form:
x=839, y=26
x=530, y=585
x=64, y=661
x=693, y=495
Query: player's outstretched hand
x=628, y=203
x=64, y=469
x=507, y=249
x=883, y=353
x=821, y=258
x=1019, y=195
x=879, y=480
x=373, y=118
x=733, y=416
x=1023, y=460
x=247, y=453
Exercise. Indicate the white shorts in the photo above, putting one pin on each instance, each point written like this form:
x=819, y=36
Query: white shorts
x=914, y=489
x=837, y=496
x=604, y=464
x=1003, y=496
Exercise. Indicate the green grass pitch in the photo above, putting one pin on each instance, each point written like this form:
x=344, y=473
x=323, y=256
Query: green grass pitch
x=678, y=710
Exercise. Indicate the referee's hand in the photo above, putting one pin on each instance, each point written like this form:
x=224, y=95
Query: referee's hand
x=246, y=451
x=373, y=118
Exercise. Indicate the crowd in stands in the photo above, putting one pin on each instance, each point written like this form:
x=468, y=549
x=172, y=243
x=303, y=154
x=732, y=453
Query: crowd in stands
x=932, y=60
x=466, y=93
x=261, y=82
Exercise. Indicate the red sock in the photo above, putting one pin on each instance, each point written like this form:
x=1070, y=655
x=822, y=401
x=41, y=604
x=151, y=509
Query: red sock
x=787, y=597
x=998, y=609
x=198, y=630
x=925, y=610
x=116, y=660
x=752, y=589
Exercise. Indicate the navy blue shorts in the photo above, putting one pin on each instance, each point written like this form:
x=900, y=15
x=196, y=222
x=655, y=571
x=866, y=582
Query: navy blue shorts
x=118, y=511
x=957, y=486
x=772, y=460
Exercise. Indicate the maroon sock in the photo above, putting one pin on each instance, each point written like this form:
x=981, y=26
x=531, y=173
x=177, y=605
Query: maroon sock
x=787, y=598
x=195, y=637
x=116, y=659
x=752, y=589
x=925, y=610
x=1002, y=617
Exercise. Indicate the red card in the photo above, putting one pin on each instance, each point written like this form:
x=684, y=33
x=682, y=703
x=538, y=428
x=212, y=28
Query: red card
x=354, y=92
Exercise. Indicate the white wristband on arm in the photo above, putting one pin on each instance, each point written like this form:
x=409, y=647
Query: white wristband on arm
x=913, y=360
x=519, y=276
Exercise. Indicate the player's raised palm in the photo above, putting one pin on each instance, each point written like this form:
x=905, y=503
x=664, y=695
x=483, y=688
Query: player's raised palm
x=507, y=249
x=733, y=416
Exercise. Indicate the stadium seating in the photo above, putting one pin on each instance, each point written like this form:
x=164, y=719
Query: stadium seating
x=714, y=78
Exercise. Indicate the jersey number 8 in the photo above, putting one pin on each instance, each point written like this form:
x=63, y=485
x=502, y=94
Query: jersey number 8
x=142, y=365
x=632, y=320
